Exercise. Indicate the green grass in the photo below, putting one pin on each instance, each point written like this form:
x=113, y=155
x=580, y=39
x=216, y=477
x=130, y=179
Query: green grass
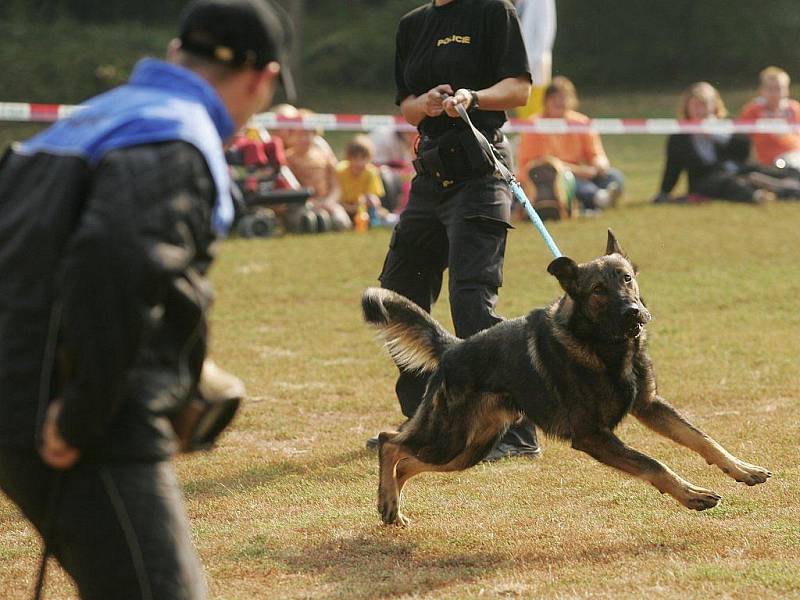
x=285, y=506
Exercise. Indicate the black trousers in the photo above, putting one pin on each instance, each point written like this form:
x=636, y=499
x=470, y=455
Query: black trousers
x=735, y=186
x=461, y=227
x=120, y=530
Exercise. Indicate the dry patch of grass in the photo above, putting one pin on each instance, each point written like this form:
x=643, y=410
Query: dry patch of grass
x=285, y=507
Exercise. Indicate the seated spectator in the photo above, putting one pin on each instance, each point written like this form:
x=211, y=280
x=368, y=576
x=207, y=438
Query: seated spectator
x=393, y=146
x=773, y=102
x=597, y=185
x=360, y=182
x=394, y=153
x=284, y=133
x=717, y=164
x=314, y=164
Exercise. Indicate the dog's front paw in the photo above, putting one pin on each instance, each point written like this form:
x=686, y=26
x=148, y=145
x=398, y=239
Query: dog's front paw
x=400, y=521
x=391, y=515
x=746, y=473
x=697, y=498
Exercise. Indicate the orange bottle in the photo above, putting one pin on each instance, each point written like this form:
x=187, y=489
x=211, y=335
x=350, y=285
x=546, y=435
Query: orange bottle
x=361, y=218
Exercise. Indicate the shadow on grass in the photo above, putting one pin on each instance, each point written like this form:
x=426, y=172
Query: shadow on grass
x=385, y=564
x=264, y=473
x=389, y=563
x=363, y=561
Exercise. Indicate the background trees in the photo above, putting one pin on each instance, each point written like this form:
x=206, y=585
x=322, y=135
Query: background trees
x=52, y=50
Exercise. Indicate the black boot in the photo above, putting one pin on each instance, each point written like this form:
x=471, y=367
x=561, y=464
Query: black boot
x=519, y=440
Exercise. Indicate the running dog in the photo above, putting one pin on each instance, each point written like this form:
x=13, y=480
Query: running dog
x=575, y=368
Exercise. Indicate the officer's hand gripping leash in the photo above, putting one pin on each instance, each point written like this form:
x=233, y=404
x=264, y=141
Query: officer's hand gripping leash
x=504, y=173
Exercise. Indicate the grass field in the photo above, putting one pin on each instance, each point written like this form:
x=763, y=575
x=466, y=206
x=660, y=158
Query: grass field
x=285, y=506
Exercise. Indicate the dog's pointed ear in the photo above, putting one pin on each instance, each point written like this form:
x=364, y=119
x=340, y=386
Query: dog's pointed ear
x=566, y=271
x=612, y=246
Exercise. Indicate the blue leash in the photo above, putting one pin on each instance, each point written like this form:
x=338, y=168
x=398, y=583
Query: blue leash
x=503, y=172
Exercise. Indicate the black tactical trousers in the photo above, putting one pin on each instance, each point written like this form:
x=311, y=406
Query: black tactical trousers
x=461, y=227
x=120, y=529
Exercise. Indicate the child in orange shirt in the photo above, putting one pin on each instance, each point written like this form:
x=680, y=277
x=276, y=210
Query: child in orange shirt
x=773, y=102
x=597, y=185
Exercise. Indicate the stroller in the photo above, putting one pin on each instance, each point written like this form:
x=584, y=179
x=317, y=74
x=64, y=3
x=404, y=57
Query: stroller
x=268, y=200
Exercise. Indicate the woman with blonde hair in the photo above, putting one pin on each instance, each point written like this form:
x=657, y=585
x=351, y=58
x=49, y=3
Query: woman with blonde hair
x=702, y=91
x=717, y=165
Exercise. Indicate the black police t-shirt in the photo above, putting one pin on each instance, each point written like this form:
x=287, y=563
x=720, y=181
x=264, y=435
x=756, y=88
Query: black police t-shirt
x=469, y=44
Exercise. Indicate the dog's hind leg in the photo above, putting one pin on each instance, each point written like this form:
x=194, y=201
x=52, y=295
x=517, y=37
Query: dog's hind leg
x=397, y=465
x=389, y=455
x=662, y=418
x=469, y=457
x=406, y=466
x=427, y=443
x=609, y=449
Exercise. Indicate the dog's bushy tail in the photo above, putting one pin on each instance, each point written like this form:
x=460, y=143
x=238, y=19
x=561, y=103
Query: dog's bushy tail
x=415, y=341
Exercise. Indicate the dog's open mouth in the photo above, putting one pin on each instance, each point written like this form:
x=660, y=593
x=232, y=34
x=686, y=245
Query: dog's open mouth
x=635, y=330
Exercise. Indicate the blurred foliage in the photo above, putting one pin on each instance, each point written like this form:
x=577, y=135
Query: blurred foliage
x=91, y=11
x=355, y=45
x=633, y=42
x=76, y=62
x=348, y=45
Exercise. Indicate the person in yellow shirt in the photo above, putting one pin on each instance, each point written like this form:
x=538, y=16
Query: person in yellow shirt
x=360, y=180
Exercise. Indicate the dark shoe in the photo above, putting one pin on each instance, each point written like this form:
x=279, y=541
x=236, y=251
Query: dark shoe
x=519, y=440
x=549, y=200
x=506, y=450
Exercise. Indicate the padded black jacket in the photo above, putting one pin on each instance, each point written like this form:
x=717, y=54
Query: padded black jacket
x=103, y=295
x=682, y=156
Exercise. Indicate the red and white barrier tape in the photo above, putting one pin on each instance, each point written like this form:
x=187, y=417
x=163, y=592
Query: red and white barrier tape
x=25, y=112
x=47, y=113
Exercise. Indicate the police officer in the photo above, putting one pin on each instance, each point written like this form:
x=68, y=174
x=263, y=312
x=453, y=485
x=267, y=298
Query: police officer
x=451, y=52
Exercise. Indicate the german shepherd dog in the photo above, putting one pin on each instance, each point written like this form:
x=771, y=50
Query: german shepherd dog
x=575, y=368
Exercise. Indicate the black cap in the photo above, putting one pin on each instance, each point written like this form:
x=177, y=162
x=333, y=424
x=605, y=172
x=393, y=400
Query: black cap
x=239, y=33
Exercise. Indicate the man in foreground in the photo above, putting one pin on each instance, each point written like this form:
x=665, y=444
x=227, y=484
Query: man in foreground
x=107, y=225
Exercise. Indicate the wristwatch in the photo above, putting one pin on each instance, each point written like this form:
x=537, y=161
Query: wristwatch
x=475, y=104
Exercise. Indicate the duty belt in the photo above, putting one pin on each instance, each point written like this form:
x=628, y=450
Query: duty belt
x=454, y=156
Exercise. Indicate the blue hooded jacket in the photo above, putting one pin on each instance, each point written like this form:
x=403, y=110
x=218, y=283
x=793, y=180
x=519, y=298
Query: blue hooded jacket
x=161, y=102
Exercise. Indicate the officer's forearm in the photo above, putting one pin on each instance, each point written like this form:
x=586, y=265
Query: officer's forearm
x=413, y=109
x=506, y=93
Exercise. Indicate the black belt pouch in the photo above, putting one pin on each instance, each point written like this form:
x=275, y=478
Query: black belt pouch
x=457, y=156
